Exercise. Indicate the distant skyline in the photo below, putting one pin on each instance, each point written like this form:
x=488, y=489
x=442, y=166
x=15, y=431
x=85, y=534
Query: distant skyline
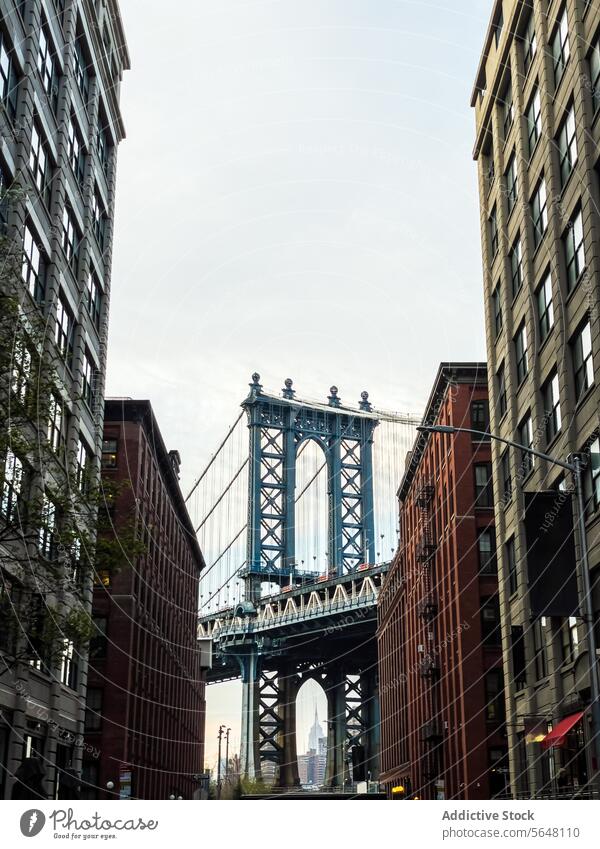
x=296, y=196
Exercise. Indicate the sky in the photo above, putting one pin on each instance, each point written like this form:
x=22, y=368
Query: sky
x=296, y=196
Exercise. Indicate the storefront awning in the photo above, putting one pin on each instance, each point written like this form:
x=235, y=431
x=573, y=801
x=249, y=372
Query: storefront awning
x=558, y=735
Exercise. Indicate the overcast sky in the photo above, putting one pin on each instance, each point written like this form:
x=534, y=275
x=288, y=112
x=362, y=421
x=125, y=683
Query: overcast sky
x=296, y=195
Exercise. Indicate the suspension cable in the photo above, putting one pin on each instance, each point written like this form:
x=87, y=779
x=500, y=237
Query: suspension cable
x=214, y=457
x=223, y=494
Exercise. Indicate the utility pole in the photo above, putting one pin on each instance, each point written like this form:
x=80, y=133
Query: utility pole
x=227, y=755
x=220, y=736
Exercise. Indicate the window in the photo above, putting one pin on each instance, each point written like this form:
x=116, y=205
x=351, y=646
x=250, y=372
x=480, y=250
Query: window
x=69, y=667
x=486, y=544
x=89, y=374
x=480, y=416
x=534, y=120
x=539, y=647
x=501, y=389
x=516, y=267
x=552, y=417
x=490, y=620
x=493, y=225
x=99, y=642
x=490, y=169
x=47, y=68
x=512, y=184
x=70, y=239
x=520, y=343
x=570, y=639
x=21, y=370
x=109, y=453
x=583, y=366
x=80, y=67
x=591, y=480
x=560, y=48
x=56, y=429
x=525, y=438
x=41, y=167
x=506, y=477
x=545, y=307
x=84, y=464
x=567, y=146
x=484, y=493
x=574, y=251
x=12, y=479
x=508, y=109
x=98, y=220
x=497, y=308
x=511, y=565
x=499, y=23
x=8, y=78
x=539, y=212
x=47, y=528
x=93, y=709
x=65, y=328
x=94, y=299
x=33, y=270
x=529, y=44
x=4, y=198
x=595, y=74
x=103, y=148
x=494, y=695
x=75, y=151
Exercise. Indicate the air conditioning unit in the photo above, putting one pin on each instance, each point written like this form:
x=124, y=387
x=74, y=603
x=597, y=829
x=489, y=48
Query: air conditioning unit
x=420, y=649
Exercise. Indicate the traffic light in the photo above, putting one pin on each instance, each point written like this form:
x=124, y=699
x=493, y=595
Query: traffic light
x=399, y=792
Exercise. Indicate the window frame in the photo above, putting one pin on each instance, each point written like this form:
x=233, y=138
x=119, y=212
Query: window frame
x=583, y=363
x=545, y=307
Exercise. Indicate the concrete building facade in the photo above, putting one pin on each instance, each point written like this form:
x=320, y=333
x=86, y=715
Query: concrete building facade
x=536, y=101
x=145, y=706
x=440, y=663
x=61, y=65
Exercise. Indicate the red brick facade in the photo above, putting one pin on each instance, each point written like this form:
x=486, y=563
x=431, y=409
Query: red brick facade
x=145, y=716
x=441, y=683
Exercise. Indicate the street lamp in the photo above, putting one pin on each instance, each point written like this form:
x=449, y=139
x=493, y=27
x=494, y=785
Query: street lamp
x=220, y=735
x=573, y=465
x=227, y=755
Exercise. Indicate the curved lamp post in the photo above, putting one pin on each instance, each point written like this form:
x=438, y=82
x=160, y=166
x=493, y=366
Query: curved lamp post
x=575, y=466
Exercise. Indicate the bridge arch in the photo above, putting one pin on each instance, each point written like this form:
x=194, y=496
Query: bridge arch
x=311, y=731
x=312, y=515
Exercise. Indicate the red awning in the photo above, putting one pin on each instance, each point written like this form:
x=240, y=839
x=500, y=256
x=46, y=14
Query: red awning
x=557, y=736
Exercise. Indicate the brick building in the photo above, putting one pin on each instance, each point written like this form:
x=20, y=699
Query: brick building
x=440, y=665
x=145, y=706
x=536, y=102
x=61, y=66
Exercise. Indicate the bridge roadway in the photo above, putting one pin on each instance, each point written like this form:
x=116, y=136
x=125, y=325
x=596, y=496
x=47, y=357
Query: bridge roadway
x=321, y=628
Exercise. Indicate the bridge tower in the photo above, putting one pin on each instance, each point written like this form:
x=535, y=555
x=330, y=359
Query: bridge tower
x=278, y=426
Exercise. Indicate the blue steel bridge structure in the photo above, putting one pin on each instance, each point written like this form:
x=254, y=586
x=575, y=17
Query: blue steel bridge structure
x=288, y=596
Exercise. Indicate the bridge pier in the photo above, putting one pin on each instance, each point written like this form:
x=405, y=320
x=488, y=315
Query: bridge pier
x=249, y=740
x=372, y=721
x=288, y=766
x=335, y=774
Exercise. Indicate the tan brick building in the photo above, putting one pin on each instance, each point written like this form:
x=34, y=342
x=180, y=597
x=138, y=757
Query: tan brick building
x=536, y=102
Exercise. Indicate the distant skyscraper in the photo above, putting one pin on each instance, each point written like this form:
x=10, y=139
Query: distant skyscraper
x=316, y=733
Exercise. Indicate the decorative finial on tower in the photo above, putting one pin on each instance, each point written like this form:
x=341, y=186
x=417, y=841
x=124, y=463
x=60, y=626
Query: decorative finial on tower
x=364, y=403
x=333, y=399
x=288, y=392
x=255, y=386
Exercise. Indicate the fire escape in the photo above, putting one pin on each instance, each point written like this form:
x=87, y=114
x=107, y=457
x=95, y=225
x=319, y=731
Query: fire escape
x=429, y=666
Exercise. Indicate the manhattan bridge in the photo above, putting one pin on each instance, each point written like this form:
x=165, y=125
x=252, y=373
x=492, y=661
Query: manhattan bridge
x=296, y=514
